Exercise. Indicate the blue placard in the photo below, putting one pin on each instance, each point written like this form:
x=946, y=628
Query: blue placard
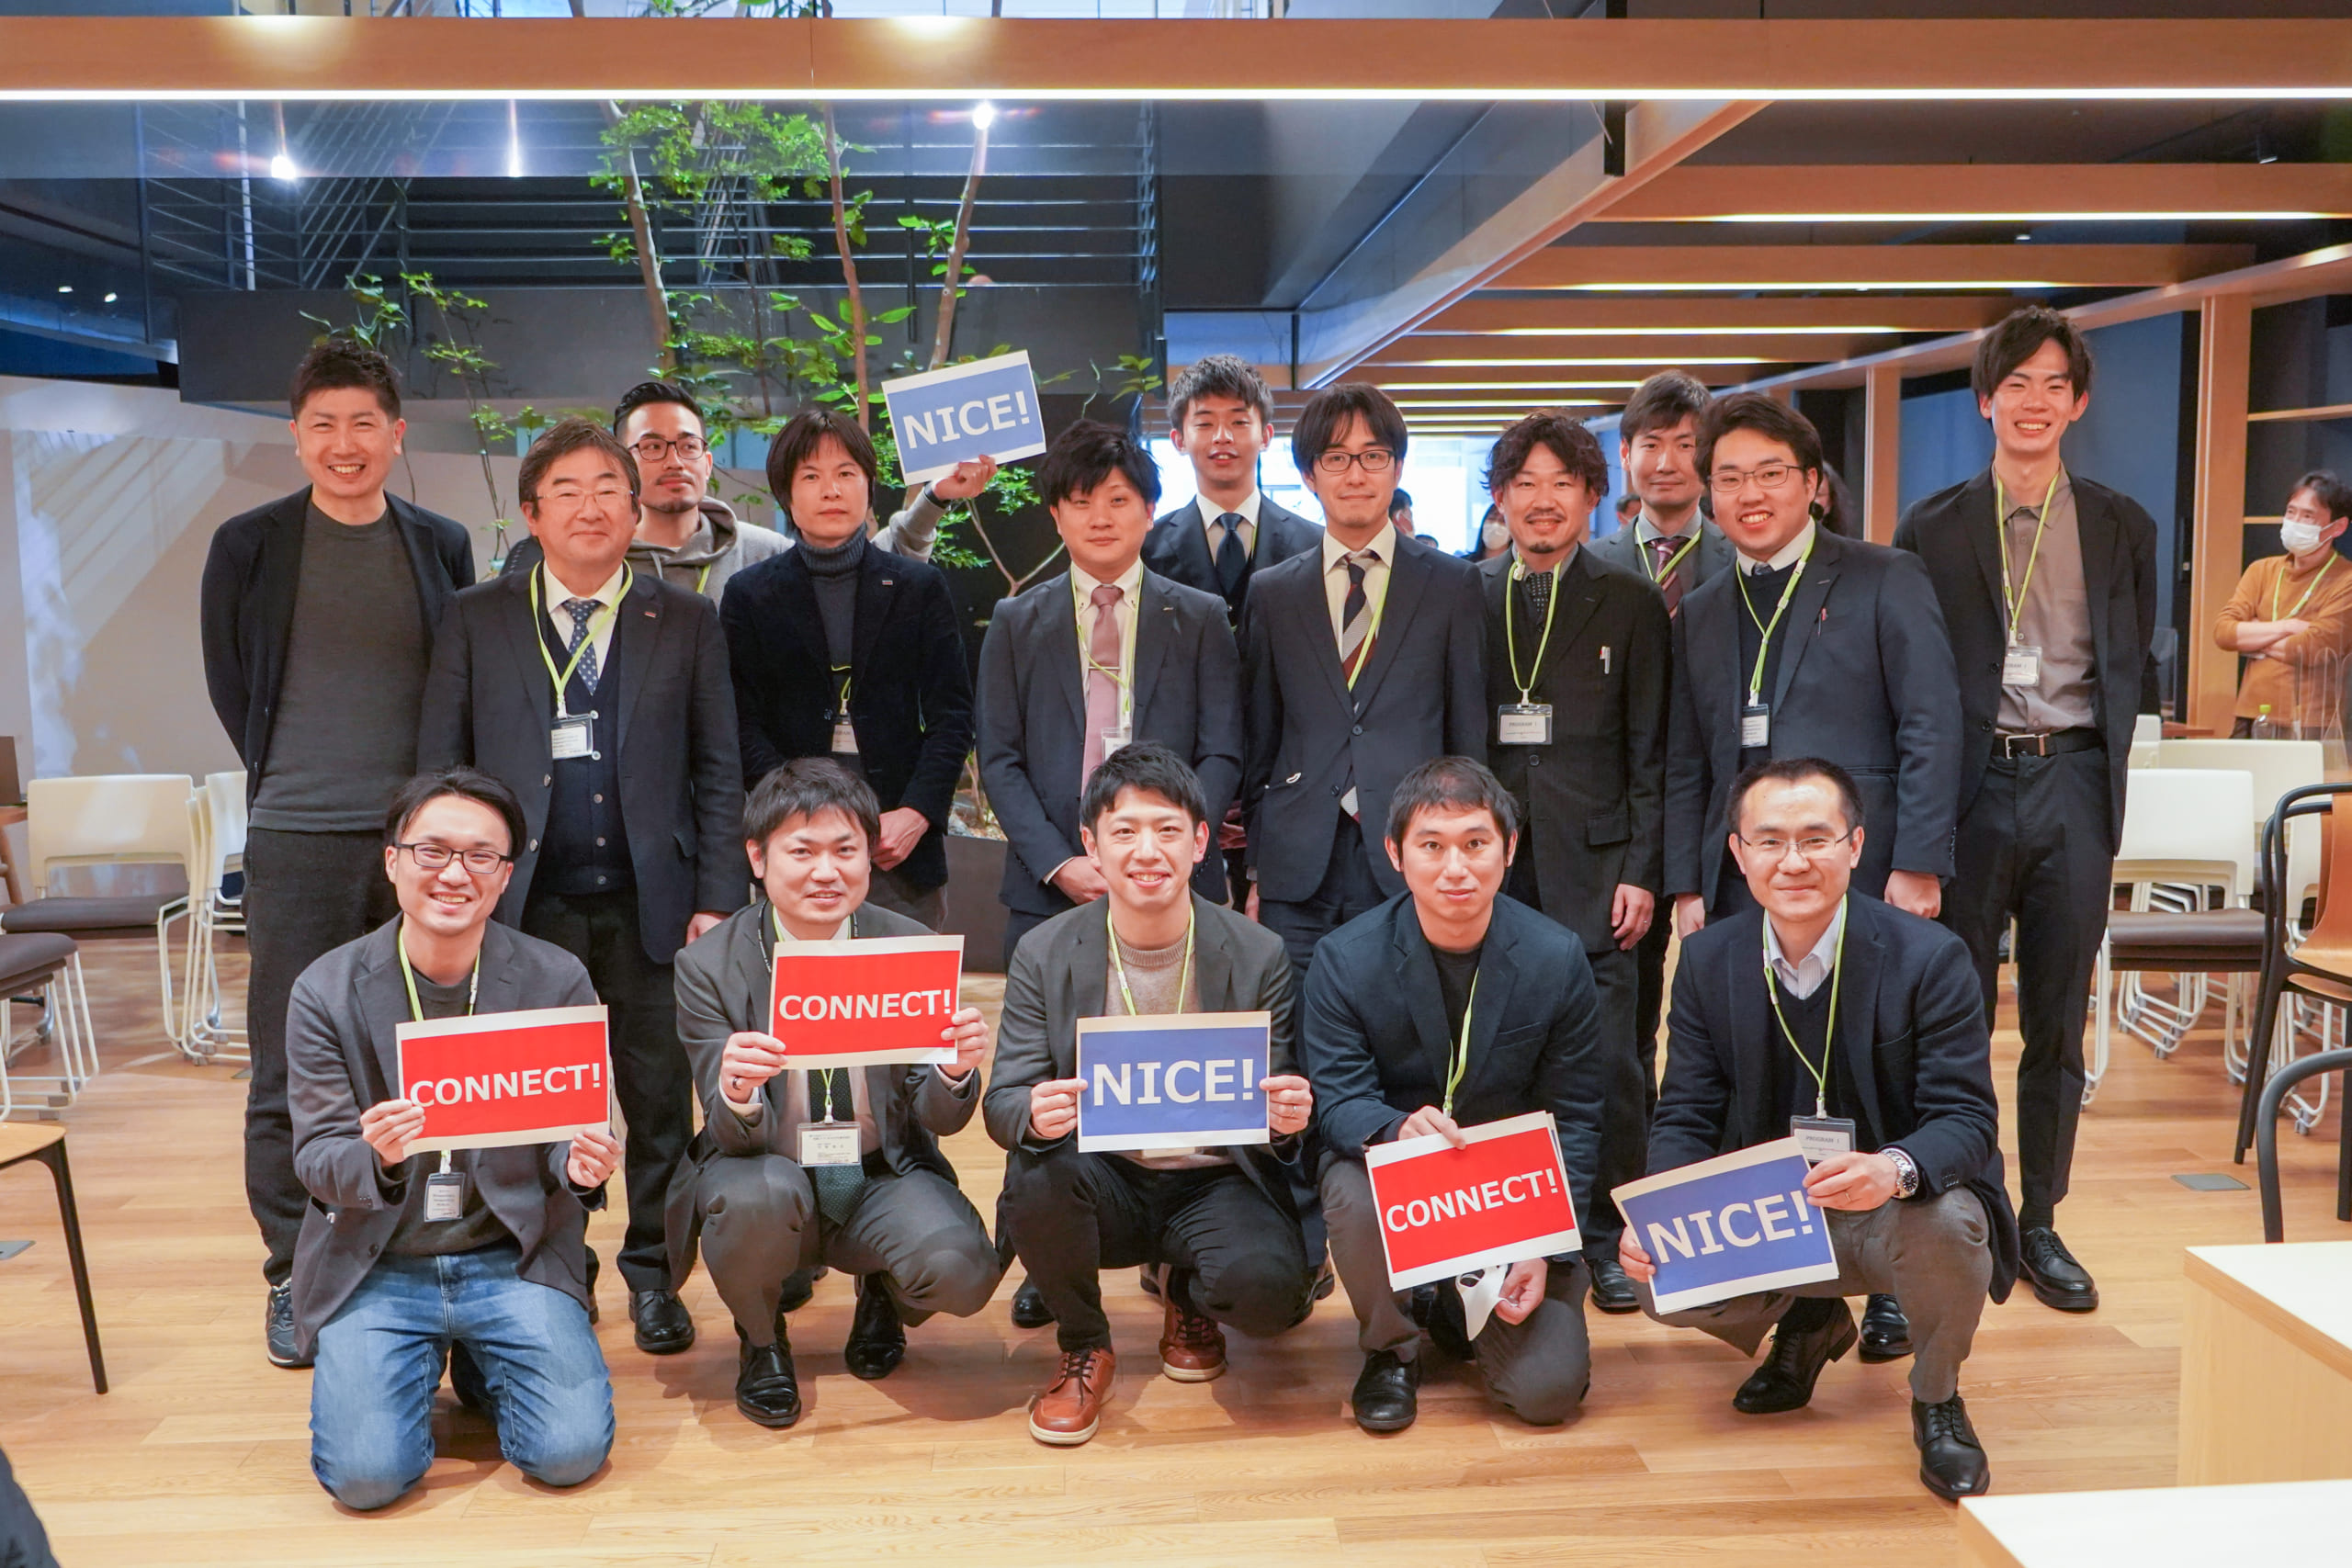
x=1172, y=1082
x=986, y=408
x=1729, y=1226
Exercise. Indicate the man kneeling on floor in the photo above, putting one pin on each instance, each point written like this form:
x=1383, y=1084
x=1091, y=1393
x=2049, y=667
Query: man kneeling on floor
x=894, y=1219
x=1219, y=1220
x=1865, y=1023
x=387, y=1285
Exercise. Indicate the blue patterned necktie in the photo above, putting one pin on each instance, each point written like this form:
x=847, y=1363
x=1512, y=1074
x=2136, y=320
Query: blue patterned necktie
x=581, y=610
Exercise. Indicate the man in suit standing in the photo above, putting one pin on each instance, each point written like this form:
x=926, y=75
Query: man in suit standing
x=1220, y=1221
x=1359, y=660
x=2048, y=584
x=1576, y=676
x=1867, y=1043
x=600, y=696
x=1449, y=1007
x=1219, y=412
x=318, y=613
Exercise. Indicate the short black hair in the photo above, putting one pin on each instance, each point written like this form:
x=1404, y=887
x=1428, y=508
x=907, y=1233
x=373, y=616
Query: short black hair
x=1219, y=376
x=1089, y=452
x=1663, y=402
x=797, y=442
x=1797, y=770
x=337, y=362
x=1399, y=500
x=466, y=784
x=1628, y=505
x=1144, y=765
x=803, y=787
x=649, y=392
x=2331, y=492
x=2019, y=337
x=560, y=440
x=1578, y=449
x=1450, y=782
x=1325, y=414
x=1759, y=413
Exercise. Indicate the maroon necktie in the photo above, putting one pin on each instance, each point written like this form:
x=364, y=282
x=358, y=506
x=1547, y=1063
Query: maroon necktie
x=1669, y=577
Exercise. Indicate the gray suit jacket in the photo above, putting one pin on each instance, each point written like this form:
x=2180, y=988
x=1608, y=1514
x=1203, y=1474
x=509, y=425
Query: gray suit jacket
x=1058, y=976
x=341, y=1058
x=1033, y=720
x=1713, y=556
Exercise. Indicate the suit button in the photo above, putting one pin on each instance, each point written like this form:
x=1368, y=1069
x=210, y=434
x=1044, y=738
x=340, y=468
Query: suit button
x=373, y=1248
x=1985, y=724
x=1992, y=667
x=600, y=800
x=534, y=849
x=1357, y=731
x=1534, y=760
x=1335, y=789
x=600, y=843
x=546, y=781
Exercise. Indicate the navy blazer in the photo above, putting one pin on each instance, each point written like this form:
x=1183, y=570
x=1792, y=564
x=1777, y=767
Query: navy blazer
x=1033, y=720
x=1910, y=1025
x=1178, y=548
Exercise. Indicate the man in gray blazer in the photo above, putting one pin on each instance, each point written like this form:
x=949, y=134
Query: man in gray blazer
x=762, y=1201
x=481, y=1262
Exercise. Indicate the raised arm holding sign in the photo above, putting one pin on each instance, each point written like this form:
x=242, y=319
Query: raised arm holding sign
x=986, y=408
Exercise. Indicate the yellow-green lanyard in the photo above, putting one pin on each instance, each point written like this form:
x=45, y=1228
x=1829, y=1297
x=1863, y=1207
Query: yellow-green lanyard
x=1183, y=973
x=1461, y=1063
x=1829, y=1034
x=1510, y=639
x=844, y=671
x=702, y=579
x=2015, y=601
x=609, y=614
x=822, y=1076
x=1086, y=651
x=1657, y=574
x=1764, y=647
x=2306, y=599
x=416, y=1006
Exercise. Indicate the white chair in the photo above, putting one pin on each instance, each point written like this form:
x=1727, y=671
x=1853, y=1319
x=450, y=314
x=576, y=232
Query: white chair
x=216, y=820
x=43, y=967
x=2147, y=731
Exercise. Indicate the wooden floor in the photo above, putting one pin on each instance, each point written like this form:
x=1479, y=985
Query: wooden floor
x=200, y=1453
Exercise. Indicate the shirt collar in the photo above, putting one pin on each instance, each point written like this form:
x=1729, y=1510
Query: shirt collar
x=776, y=928
x=1805, y=973
x=1248, y=510
x=2065, y=491
x=610, y=593
x=1646, y=530
x=1790, y=554
x=1383, y=545
x=1129, y=582
x=1519, y=568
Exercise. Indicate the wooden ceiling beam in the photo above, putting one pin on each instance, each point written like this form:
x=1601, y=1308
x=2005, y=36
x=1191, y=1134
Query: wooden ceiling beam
x=1631, y=351
x=1866, y=267
x=1920, y=193
x=1602, y=315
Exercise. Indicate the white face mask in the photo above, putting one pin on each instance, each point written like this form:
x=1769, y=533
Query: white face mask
x=2301, y=539
x=1495, y=534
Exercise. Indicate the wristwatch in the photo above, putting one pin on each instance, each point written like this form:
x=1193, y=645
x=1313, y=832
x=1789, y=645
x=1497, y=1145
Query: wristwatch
x=1907, y=1172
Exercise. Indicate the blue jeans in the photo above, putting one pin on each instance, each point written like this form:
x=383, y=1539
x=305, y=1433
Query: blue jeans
x=539, y=1374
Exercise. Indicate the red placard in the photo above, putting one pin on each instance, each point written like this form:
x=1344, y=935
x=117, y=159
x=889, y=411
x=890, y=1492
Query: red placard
x=855, y=1004
x=1445, y=1211
x=498, y=1079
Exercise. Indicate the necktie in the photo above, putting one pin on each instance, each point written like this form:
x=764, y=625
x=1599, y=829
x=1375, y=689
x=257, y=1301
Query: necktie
x=1232, y=559
x=1670, y=582
x=1355, y=642
x=1539, y=592
x=1103, y=675
x=579, y=610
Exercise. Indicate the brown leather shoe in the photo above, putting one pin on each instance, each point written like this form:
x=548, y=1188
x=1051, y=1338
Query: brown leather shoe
x=1069, y=1409
x=1192, y=1347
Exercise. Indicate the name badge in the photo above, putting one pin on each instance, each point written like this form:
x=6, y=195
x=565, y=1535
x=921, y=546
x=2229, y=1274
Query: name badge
x=572, y=738
x=1755, y=725
x=1524, y=724
x=844, y=738
x=1819, y=1137
x=1113, y=739
x=829, y=1143
x=444, y=1195
x=2022, y=665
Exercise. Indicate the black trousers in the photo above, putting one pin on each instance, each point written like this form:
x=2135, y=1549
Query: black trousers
x=1233, y=1254
x=651, y=1074
x=2034, y=843
x=1348, y=889
x=306, y=894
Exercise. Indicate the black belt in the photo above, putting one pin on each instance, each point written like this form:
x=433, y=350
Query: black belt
x=2008, y=745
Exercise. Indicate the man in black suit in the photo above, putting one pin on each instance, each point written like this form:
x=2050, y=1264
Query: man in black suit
x=1449, y=1007
x=1576, y=676
x=1086, y=661
x=2048, y=584
x=1359, y=660
x=842, y=650
x=599, y=695
x=1219, y=412
x=1869, y=1043
x=318, y=613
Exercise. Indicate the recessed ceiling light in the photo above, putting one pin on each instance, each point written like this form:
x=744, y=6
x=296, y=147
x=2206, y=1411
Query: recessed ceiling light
x=65, y=289
x=109, y=299
x=281, y=167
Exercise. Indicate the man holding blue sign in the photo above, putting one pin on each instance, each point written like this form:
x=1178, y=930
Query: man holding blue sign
x=1854, y=1029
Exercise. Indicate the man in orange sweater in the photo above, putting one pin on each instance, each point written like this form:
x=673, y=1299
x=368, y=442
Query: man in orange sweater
x=2292, y=617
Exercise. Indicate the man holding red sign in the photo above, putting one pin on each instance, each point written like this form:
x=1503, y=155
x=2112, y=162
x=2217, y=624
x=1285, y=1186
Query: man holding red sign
x=1448, y=1007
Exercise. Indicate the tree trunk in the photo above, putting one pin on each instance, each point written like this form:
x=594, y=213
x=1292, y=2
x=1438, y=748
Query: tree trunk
x=941, y=346
x=849, y=268
x=649, y=262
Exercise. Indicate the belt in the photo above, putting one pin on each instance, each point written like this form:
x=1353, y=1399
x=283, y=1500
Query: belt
x=2008, y=745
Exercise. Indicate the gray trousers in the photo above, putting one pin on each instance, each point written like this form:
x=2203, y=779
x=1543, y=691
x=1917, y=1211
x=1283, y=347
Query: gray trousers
x=759, y=1223
x=1933, y=1254
x=1538, y=1370
x=927, y=906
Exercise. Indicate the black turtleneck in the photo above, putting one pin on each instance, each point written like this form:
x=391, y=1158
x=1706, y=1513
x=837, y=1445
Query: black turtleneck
x=834, y=573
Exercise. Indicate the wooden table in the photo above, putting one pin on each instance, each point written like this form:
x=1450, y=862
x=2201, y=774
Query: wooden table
x=10, y=817
x=2187, y=1527
x=2265, y=1364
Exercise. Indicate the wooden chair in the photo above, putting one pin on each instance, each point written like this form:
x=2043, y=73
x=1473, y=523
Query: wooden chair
x=2320, y=965
x=20, y=1142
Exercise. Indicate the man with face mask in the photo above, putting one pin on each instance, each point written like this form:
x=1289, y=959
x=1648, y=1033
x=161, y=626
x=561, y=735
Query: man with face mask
x=2292, y=617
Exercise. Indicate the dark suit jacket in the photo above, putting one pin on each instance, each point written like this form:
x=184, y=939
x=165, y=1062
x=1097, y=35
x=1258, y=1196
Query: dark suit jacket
x=910, y=695
x=1953, y=532
x=1423, y=694
x=1910, y=1025
x=489, y=703
x=1178, y=549
x=1033, y=720
x=1865, y=679
x=247, y=605
x=1058, y=976
x=1713, y=556
x=1592, y=803
x=342, y=1058
x=1377, y=1048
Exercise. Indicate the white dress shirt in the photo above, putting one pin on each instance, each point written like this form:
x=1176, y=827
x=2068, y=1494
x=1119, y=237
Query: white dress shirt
x=1789, y=555
x=1804, y=976
x=1375, y=575
x=553, y=594
x=1130, y=587
x=1215, y=531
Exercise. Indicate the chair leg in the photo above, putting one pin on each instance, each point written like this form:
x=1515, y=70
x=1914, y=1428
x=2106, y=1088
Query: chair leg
x=2257, y=1056
x=53, y=1157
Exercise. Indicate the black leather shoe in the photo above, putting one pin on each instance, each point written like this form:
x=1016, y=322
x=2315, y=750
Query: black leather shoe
x=277, y=1328
x=663, y=1328
x=1387, y=1395
x=1449, y=1331
x=2056, y=1278
x=1812, y=1334
x=1612, y=1292
x=799, y=1286
x=1951, y=1461
x=767, y=1391
x=1887, y=1333
x=877, y=1340
x=1326, y=1278
x=1029, y=1308
x=593, y=1268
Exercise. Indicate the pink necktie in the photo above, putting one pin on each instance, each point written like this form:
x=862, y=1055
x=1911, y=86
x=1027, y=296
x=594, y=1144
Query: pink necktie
x=1102, y=676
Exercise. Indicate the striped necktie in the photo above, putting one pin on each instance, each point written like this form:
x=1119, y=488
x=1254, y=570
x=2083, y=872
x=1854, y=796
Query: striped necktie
x=1355, y=614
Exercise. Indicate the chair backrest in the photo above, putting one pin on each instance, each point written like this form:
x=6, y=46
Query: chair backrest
x=226, y=808
x=2193, y=825
x=2147, y=726
x=109, y=819
x=2277, y=766
x=209, y=865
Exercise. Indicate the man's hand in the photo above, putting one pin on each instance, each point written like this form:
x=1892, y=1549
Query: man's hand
x=1250, y=908
x=1080, y=880
x=703, y=921
x=1522, y=1290
x=1689, y=914
x=1631, y=1259
x=968, y=1032
x=749, y=1061
x=1230, y=833
x=901, y=831
x=1290, y=1102
x=970, y=478
x=594, y=1157
x=1916, y=892
x=1630, y=913
x=1852, y=1180
x=389, y=1126
x=1430, y=1119
x=1053, y=1107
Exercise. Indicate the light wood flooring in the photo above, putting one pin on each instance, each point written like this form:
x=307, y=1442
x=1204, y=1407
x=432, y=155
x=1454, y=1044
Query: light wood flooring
x=200, y=1453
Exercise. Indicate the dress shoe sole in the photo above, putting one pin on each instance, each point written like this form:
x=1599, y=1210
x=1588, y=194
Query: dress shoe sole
x=1616, y=1308
x=772, y=1421
x=666, y=1347
x=291, y=1364
x=1844, y=1343
x=1192, y=1374
x=1030, y=1320
x=872, y=1373
x=1879, y=1354
x=2063, y=1300
x=1949, y=1492
x=1386, y=1423
x=1061, y=1440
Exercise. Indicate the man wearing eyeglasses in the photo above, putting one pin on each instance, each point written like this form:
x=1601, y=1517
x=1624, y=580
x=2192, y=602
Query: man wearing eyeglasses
x=1359, y=660
x=600, y=696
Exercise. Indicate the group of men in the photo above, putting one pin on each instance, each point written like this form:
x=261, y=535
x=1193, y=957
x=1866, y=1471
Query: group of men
x=1431, y=817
